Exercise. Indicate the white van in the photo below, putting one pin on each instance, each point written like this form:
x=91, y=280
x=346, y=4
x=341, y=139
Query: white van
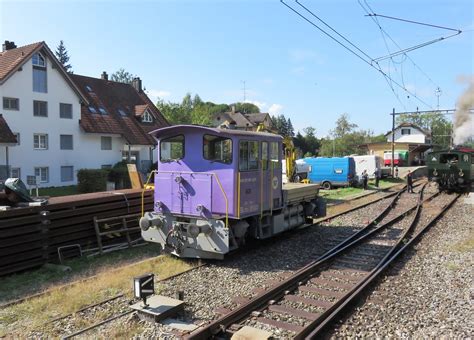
x=369, y=163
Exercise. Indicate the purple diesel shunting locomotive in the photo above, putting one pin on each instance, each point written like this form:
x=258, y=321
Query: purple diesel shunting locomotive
x=216, y=187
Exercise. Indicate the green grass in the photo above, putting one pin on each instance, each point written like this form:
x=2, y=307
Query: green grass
x=33, y=281
x=341, y=193
x=112, y=274
x=58, y=191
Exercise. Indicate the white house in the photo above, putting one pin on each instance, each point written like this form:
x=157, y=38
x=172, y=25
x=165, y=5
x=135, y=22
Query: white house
x=60, y=126
x=409, y=133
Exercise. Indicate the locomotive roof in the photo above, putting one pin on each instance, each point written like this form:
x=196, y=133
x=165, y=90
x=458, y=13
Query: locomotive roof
x=224, y=132
x=455, y=150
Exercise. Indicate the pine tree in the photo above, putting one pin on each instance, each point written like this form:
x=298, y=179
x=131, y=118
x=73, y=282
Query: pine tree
x=290, y=129
x=63, y=57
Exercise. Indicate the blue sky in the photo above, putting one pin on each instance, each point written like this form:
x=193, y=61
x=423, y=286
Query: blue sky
x=210, y=47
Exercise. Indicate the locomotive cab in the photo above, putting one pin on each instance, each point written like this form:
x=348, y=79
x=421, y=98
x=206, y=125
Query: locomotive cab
x=451, y=169
x=216, y=187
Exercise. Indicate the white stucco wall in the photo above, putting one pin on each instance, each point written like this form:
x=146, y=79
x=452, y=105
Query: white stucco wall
x=415, y=136
x=86, y=151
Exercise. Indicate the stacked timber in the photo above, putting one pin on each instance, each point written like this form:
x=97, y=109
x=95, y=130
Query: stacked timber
x=30, y=237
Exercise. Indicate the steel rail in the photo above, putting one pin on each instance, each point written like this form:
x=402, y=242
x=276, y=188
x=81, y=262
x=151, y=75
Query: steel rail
x=290, y=283
x=324, y=219
x=313, y=324
x=355, y=294
x=103, y=322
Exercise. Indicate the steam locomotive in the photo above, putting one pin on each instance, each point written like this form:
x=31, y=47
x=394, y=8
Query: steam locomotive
x=215, y=188
x=452, y=169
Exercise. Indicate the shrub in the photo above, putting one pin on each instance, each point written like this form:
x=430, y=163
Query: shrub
x=91, y=180
x=119, y=175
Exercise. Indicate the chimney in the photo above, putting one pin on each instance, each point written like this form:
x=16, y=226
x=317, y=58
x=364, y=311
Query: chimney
x=8, y=45
x=137, y=84
x=104, y=76
x=233, y=109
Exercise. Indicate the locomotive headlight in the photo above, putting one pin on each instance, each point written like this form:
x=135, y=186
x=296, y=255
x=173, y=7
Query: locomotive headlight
x=435, y=172
x=461, y=174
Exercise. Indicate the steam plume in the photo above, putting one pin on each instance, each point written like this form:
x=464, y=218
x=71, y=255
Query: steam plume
x=463, y=125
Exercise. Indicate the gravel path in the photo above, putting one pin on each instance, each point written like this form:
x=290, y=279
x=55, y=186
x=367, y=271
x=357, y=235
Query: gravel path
x=429, y=294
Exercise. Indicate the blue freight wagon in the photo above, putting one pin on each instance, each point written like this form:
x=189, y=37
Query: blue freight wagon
x=331, y=171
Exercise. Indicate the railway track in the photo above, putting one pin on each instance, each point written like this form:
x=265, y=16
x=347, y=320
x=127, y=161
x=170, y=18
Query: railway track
x=303, y=303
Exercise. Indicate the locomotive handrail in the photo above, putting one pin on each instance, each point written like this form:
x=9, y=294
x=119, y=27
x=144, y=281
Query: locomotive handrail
x=191, y=172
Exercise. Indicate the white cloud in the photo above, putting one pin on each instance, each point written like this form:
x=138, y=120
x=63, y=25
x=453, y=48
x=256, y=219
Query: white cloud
x=157, y=94
x=261, y=105
x=275, y=109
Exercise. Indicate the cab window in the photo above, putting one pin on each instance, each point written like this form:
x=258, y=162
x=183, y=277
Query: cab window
x=448, y=158
x=274, y=155
x=248, y=155
x=172, y=148
x=217, y=149
x=264, y=155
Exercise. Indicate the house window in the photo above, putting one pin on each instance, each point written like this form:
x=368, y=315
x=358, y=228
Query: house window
x=122, y=113
x=406, y=131
x=15, y=173
x=17, y=136
x=39, y=73
x=11, y=103
x=248, y=155
x=92, y=109
x=65, y=110
x=217, y=149
x=43, y=174
x=65, y=142
x=105, y=143
x=67, y=173
x=103, y=111
x=147, y=117
x=38, y=60
x=172, y=149
x=40, y=109
x=40, y=141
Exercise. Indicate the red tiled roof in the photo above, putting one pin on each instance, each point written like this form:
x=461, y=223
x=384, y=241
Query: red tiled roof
x=112, y=97
x=6, y=135
x=140, y=109
x=11, y=60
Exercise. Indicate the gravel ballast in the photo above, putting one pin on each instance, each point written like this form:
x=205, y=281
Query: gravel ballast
x=427, y=294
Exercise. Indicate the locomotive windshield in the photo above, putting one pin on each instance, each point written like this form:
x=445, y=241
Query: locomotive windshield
x=448, y=158
x=172, y=148
x=217, y=149
x=248, y=155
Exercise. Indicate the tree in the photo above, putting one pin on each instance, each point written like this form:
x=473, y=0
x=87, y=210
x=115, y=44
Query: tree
x=290, y=130
x=63, y=57
x=246, y=107
x=122, y=76
x=343, y=126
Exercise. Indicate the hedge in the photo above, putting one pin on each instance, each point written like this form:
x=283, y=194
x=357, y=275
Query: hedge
x=91, y=180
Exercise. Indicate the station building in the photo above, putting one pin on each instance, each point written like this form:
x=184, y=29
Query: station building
x=410, y=139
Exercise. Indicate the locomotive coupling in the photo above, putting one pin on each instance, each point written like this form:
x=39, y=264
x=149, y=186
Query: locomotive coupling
x=150, y=220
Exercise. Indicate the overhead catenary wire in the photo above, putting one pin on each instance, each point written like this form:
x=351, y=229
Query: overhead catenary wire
x=368, y=61
x=384, y=33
